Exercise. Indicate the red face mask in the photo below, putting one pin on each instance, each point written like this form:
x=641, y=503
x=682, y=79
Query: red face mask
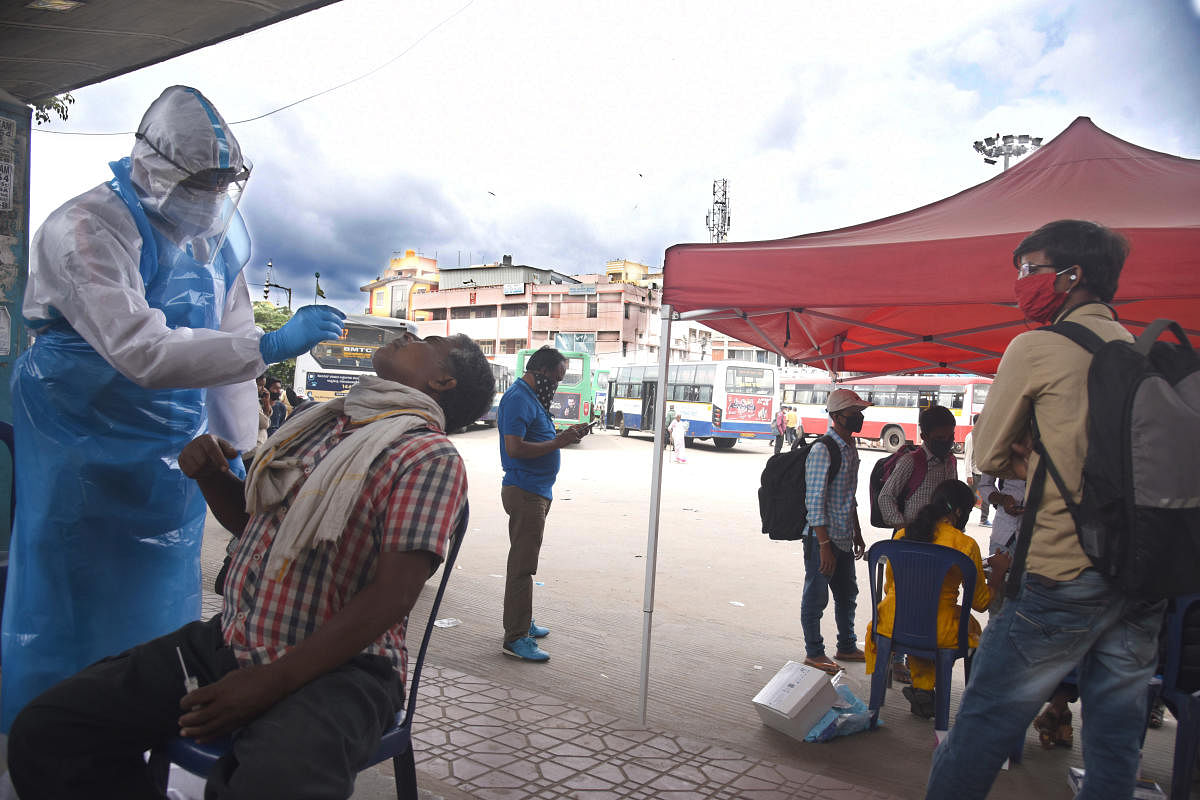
x=1036, y=297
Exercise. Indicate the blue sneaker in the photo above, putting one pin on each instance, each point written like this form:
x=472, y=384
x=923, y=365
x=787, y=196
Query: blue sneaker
x=526, y=649
x=537, y=631
x=985, y=523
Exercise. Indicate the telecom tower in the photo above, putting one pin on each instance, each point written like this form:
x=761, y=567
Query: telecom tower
x=718, y=218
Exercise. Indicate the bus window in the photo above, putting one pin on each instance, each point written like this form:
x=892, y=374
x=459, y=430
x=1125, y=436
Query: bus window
x=979, y=393
x=950, y=396
x=907, y=396
x=819, y=395
x=687, y=373
x=748, y=380
x=882, y=395
x=636, y=374
x=704, y=393
x=574, y=372
x=673, y=373
x=706, y=373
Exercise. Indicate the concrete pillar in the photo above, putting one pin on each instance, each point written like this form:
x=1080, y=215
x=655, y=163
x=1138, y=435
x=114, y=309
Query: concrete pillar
x=15, y=119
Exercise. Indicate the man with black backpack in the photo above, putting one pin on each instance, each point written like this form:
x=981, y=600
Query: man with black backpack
x=833, y=536
x=1062, y=611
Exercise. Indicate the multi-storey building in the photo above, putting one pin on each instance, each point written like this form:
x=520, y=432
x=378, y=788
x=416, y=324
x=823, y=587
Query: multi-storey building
x=506, y=307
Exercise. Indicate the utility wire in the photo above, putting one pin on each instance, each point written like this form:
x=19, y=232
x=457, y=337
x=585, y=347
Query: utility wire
x=344, y=84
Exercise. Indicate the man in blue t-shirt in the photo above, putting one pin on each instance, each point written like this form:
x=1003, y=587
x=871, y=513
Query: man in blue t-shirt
x=529, y=454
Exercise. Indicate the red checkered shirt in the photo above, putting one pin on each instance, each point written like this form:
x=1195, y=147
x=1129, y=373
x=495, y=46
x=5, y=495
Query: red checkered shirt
x=412, y=499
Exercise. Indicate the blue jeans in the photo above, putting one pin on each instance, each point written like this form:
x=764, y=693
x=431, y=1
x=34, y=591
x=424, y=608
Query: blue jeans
x=816, y=596
x=1025, y=651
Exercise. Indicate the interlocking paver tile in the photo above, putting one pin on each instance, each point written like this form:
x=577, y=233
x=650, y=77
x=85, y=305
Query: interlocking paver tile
x=586, y=780
x=499, y=743
x=717, y=774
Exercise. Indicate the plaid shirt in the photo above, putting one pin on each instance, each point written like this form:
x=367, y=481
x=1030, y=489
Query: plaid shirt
x=937, y=470
x=834, y=508
x=412, y=500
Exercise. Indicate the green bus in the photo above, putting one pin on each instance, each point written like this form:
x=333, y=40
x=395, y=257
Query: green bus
x=575, y=399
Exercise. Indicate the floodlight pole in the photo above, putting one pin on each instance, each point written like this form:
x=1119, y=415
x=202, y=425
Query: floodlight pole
x=1008, y=146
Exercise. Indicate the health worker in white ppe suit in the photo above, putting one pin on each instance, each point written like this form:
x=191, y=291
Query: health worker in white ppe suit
x=145, y=339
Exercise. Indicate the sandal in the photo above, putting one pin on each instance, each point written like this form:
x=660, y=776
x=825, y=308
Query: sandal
x=1065, y=735
x=823, y=663
x=1054, y=729
x=1046, y=724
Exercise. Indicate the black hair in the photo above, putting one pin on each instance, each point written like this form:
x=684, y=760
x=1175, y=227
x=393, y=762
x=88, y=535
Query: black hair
x=935, y=417
x=951, y=498
x=546, y=358
x=272, y=380
x=1100, y=252
x=293, y=398
x=474, y=388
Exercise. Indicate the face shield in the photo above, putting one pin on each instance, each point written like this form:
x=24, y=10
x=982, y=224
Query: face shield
x=199, y=209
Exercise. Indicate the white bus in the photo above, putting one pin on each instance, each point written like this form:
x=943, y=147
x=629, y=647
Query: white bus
x=331, y=368
x=898, y=399
x=721, y=400
x=504, y=378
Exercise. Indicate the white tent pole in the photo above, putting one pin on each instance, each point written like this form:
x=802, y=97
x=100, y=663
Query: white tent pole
x=660, y=411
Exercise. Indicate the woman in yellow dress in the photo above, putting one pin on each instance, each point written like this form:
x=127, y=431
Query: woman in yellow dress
x=940, y=522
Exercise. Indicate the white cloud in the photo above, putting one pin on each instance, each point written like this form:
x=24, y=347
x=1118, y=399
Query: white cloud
x=568, y=134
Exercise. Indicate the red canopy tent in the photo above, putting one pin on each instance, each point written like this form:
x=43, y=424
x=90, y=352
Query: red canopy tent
x=931, y=290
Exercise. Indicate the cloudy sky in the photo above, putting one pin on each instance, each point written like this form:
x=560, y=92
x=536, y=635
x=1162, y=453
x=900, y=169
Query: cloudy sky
x=568, y=133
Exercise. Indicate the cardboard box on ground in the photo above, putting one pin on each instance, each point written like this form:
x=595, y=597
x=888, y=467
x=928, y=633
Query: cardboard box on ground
x=795, y=699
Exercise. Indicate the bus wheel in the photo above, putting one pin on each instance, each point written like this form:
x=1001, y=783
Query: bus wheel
x=723, y=443
x=621, y=424
x=892, y=438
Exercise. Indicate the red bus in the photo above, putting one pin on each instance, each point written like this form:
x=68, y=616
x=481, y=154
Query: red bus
x=898, y=401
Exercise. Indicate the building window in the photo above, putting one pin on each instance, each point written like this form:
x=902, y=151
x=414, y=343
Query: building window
x=462, y=312
x=488, y=346
x=436, y=313
x=624, y=348
x=514, y=310
x=484, y=312
x=543, y=310
x=511, y=346
x=627, y=307
x=608, y=336
x=592, y=310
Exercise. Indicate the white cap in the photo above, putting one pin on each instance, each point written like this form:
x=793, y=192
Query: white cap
x=842, y=399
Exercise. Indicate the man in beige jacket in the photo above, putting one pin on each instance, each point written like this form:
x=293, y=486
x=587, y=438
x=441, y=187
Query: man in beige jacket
x=1066, y=615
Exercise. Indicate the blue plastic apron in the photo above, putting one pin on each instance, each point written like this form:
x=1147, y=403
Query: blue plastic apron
x=106, y=545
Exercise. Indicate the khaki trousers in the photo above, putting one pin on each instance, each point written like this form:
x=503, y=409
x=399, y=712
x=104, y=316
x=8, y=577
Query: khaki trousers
x=526, y=522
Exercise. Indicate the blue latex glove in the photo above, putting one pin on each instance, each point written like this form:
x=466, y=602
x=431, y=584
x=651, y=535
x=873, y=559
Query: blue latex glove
x=308, y=327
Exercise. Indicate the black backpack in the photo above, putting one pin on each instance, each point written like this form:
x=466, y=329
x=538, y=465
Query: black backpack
x=1139, y=518
x=781, y=489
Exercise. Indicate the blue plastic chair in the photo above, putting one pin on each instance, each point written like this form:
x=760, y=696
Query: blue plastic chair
x=918, y=571
x=199, y=759
x=1184, y=704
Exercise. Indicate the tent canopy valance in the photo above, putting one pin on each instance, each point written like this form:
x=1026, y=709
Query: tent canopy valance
x=931, y=290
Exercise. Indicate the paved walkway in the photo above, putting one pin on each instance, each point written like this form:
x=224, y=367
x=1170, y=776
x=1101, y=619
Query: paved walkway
x=501, y=743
